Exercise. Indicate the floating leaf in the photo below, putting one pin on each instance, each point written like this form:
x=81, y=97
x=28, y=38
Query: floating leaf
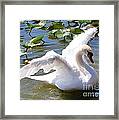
x=31, y=26
x=76, y=31
x=51, y=36
x=68, y=38
x=58, y=25
x=52, y=32
x=84, y=21
x=43, y=28
x=59, y=34
x=35, y=45
x=50, y=28
x=26, y=45
x=37, y=39
x=95, y=23
x=66, y=34
x=36, y=26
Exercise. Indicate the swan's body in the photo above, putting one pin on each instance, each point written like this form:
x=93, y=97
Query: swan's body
x=70, y=70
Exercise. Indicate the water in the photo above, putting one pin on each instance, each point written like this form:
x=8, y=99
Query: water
x=37, y=90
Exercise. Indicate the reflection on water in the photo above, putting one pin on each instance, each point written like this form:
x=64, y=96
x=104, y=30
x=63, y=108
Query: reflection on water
x=37, y=90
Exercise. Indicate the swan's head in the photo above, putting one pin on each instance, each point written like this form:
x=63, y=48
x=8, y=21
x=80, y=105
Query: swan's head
x=87, y=50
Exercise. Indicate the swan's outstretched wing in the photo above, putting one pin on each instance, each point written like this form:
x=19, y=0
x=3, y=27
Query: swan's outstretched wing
x=50, y=62
x=35, y=65
x=81, y=39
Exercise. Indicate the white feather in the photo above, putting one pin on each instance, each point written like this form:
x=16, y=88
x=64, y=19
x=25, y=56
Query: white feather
x=67, y=74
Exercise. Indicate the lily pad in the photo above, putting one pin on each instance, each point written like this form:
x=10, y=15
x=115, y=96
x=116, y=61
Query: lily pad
x=26, y=45
x=84, y=21
x=95, y=23
x=68, y=38
x=35, y=45
x=51, y=36
x=31, y=26
x=76, y=31
x=56, y=25
x=59, y=34
x=43, y=28
x=37, y=39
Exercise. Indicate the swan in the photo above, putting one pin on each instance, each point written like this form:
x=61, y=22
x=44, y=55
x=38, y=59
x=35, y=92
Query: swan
x=69, y=71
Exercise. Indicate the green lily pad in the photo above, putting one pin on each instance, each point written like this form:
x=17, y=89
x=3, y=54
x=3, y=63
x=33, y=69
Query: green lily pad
x=95, y=23
x=31, y=26
x=36, y=26
x=35, y=45
x=58, y=25
x=43, y=28
x=52, y=32
x=51, y=36
x=50, y=28
x=84, y=21
x=68, y=38
x=59, y=34
x=37, y=39
x=76, y=31
x=26, y=45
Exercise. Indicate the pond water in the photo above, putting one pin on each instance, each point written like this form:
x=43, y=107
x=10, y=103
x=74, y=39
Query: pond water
x=37, y=90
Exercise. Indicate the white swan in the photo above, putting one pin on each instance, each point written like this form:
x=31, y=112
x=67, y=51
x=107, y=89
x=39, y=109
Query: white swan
x=67, y=71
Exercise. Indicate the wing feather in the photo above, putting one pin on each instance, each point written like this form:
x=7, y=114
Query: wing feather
x=48, y=62
x=81, y=39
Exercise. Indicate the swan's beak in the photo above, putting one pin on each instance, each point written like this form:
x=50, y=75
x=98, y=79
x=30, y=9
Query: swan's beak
x=90, y=56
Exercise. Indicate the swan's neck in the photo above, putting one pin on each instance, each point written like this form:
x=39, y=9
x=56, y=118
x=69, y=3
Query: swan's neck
x=87, y=72
x=82, y=65
x=79, y=61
